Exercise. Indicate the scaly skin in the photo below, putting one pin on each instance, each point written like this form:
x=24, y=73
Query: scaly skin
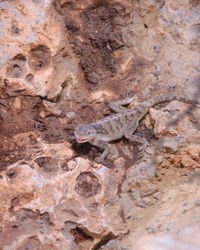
x=124, y=123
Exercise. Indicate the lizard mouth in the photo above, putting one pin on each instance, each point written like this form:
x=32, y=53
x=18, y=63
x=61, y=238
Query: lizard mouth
x=79, y=140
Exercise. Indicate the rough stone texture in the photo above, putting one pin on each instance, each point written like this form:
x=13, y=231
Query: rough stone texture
x=171, y=223
x=56, y=200
x=61, y=62
x=180, y=142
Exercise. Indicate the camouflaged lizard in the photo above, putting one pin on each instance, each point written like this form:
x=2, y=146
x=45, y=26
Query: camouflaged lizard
x=124, y=123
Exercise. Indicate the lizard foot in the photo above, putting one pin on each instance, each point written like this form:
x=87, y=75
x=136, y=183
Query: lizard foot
x=129, y=98
x=112, y=156
x=140, y=155
x=99, y=159
x=142, y=149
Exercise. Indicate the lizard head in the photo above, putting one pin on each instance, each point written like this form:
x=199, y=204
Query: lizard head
x=84, y=133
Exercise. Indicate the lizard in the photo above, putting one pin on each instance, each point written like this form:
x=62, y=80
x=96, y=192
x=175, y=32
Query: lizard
x=123, y=123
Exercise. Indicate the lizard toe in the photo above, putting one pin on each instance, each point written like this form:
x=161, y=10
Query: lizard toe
x=99, y=159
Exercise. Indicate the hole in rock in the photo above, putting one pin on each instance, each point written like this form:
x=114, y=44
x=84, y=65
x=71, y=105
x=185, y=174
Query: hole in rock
x=87, y=185
x=39, y=58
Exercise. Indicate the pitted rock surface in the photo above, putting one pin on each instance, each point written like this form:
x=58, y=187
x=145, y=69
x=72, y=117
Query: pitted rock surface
x=61, y=62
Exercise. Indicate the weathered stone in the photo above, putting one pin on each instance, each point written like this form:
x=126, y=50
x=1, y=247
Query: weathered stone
x=170, y=145
x=61, y=62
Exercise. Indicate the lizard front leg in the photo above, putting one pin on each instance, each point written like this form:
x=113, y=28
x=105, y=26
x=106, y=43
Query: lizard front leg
x=134, y=138
x=117, y=106
x=107, y=149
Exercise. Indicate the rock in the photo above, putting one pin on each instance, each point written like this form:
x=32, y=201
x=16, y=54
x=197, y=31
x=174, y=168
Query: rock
x=137, y=184
x=141, y=171
x=182, y=152
x=197, y=203
x=61, y=62
x=194, y=152
x=119, y=163
x=51, y=109
x=188, y=157
x=147, y=188
x=188, y=162
x=182, y=240
x=161, y=119
x=156, y=196
x=67, y=198
x=127, y=205
x=30, y=63
x=148, y=201
x=170, y=145
x=17, y=103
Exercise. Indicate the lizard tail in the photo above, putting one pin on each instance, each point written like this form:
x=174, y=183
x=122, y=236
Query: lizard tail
x=160, y=99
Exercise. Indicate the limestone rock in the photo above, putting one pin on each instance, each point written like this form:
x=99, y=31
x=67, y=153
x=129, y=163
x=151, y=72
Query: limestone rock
x=61, y=62
x=32, y=58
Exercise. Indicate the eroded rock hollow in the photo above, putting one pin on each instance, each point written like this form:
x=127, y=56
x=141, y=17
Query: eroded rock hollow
x=61, y=63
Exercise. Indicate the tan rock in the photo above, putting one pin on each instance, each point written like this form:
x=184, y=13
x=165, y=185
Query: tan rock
x=60, y=61
x=190, y=157
x=194, y=152
x=30, y=50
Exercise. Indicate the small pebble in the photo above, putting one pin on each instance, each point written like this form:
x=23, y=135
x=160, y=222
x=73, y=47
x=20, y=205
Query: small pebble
x=70, y=114
x=150, y=230
x=177, y=138
x=185, y=210
x=138, y=79
x=185, y=204
x=157, y=48
x=172, y=85
x=197, y=203
x=156, y=196
x=158, y=68
x=169, y=227
x=198, y=67
x=15, y=29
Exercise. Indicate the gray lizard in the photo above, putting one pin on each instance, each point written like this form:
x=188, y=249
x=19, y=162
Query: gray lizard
x=124, y=123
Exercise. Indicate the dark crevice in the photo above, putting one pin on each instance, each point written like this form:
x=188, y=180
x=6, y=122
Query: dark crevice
x=104, y=241
x=80, y=235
